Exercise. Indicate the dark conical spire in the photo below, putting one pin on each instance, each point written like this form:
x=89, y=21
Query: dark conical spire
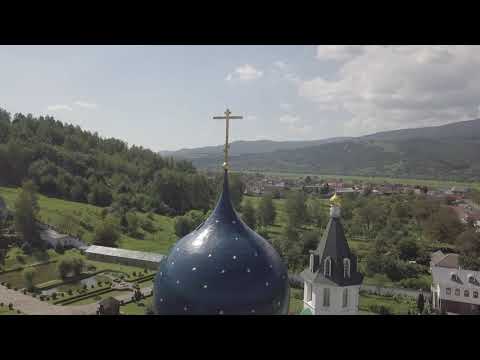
x=333, y=248
x=224, y=208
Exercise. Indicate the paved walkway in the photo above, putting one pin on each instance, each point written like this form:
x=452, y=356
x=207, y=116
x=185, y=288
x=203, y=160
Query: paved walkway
x=33, y=306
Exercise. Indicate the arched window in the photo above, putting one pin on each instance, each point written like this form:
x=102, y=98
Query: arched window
x=327, y=267
x=346, y=268
x=311, y=262
x=345, y=297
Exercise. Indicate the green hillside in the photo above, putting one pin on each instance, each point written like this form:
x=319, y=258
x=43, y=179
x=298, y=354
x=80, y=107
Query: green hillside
x=79, y=218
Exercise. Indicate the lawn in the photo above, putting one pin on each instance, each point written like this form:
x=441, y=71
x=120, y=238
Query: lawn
x=16, y=258
x=4, y=310
x=136, y=308
x=44, y=273
x=397, y=306
x=80, y=219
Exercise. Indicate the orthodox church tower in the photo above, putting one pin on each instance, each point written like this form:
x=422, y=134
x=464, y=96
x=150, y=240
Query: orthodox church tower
x=222, y=268
x=332, y=282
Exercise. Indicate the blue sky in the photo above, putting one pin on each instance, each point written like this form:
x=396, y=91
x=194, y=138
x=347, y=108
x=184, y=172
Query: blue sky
x=164, y=97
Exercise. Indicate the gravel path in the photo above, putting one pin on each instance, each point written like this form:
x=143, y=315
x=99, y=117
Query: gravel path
x=33, y=306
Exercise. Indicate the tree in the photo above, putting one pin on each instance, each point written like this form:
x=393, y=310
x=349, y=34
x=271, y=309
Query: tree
x=64, y=267
x=266, y=211
x=28, y=275
x=443, y=226
x=317, y=213
x=106, y=233
x=70, y=264
x=408, y=249
x=296, y=209
x=248, y=214
x=26, y=209
x=468, y=243
x=133, y=222
x=100, y=195
x=420, y=302
x=183, y=225
x=291, y=248
x=309, y=241
x=77, y=265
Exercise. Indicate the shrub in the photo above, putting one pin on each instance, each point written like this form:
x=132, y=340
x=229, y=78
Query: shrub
x=134, y=273
x=415, y=283
x=54, y=296
x=8, y=285
x=28, y=275
x=10, y=306
x=1, y=304
x=380, y=309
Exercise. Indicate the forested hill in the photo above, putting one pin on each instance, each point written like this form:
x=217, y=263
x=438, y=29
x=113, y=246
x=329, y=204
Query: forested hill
x=449, y=152
x=67, y=162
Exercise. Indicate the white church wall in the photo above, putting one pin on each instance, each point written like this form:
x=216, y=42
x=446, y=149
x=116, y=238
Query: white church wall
x=336, y=300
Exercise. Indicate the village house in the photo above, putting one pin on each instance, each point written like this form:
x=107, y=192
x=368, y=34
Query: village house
x=454, y=290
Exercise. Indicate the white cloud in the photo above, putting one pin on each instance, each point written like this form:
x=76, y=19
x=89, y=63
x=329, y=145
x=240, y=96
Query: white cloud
x=289, y=119
x=300, y=130
x=58, y=108
x=245, y=72
x=292, y=78
x=295, y=126
x=387, y=87
x=338, y=52
x=86, y=104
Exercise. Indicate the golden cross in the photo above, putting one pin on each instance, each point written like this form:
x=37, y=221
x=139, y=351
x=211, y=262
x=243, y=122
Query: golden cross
x=227, y=117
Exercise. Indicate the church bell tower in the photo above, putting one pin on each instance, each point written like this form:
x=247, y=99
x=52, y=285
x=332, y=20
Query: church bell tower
x=332, y=281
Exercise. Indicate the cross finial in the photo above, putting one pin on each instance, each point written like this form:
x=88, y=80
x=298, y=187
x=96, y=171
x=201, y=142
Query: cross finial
x=227, y=117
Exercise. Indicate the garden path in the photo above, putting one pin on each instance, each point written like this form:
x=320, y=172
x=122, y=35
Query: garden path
x=33, y=306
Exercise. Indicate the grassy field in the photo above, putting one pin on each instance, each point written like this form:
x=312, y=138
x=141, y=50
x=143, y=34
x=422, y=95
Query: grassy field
x=16, y=258
x=433, y=183
x=82, y=218
x=4, y=310
x=396, y=306
x=136, y=308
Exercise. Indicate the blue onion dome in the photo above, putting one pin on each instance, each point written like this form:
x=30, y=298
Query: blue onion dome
x=222, y=267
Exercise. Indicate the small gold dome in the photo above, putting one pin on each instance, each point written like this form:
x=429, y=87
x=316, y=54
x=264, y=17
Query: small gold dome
x=335, y=200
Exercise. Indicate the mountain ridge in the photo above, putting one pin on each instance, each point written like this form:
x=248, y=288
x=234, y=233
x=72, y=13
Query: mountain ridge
x=451, y=150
